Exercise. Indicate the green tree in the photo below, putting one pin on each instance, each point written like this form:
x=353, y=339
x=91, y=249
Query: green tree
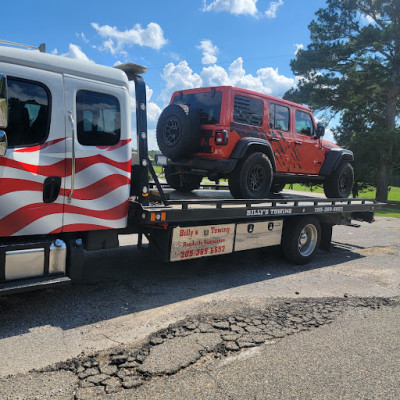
x=352, y=67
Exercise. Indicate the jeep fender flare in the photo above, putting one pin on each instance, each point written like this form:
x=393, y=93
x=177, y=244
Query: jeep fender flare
x=333, y=158
x=246, y=144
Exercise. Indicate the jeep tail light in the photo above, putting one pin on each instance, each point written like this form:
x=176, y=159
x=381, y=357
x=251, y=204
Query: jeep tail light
x=221, y=136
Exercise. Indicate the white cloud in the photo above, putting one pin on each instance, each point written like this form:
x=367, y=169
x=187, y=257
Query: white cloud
x=83, y=37
x=116, y=41
x=266, y=80
x=210, y=52
x=273, y=7
x=178, y=77
x=299, y=46
x=75, y=52
x=237, y=7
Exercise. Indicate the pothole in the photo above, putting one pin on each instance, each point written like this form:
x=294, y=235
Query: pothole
x=182, y=344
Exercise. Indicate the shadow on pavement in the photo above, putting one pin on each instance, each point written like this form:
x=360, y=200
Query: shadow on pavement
x=125, y=281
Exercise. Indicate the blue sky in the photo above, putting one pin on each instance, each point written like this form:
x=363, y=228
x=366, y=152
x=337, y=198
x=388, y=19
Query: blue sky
x=184, y=43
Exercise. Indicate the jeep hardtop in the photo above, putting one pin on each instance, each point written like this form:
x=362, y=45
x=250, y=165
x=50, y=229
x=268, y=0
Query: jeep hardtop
x=259, y=142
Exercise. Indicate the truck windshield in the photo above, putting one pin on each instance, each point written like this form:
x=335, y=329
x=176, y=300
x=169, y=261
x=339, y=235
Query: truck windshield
x=207, y=104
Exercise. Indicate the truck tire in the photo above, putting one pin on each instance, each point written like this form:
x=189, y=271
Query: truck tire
x=301, y=238
x=182, y=182
x=340, y=183
x=178, y=131
x=252, y=177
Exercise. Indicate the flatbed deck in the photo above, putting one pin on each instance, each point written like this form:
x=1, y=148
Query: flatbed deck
x=218, y=205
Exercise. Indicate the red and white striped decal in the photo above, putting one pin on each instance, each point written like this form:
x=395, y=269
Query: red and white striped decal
x=100, y=197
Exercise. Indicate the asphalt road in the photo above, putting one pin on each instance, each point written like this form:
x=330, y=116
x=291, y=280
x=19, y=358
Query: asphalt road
x=128, y=296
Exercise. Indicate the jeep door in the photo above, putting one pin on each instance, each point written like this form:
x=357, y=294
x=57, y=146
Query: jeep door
x=280, y=137
x=99, y=155
x=32, y=170
x=308, y=154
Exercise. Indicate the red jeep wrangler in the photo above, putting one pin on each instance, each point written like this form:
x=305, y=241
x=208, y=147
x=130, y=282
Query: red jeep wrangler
x=259, y=142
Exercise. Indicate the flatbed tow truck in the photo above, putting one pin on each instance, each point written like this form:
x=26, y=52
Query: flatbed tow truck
x=50, y=217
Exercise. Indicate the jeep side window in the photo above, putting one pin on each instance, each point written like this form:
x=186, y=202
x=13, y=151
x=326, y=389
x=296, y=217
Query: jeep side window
x=247, y=110
x=98, y=118
x=28, y=112
x=279, y=117
x=304, y=123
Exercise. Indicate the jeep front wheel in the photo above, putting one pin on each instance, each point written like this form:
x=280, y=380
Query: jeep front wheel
x=340, y=183
x=252, y=177
x=182, y=182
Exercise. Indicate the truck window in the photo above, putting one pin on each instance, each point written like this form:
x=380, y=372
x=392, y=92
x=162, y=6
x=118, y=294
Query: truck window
x=279, y=117
x=28, y=112
x=207, y=104
x=98, y=118
x=304, y=123
x=247, y=110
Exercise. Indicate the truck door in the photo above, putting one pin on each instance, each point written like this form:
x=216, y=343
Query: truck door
x=32, y=171
x=99, y=155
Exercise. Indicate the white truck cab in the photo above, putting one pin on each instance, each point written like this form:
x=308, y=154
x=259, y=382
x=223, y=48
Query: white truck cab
x=65, y=156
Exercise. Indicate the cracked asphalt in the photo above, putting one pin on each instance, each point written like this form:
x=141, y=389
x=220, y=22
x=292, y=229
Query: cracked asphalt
x=248, y=325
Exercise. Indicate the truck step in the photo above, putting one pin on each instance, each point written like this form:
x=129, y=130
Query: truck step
x=33, y=284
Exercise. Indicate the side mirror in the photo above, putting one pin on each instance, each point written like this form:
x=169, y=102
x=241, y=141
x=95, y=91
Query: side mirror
x=3, y=143
x=3, y=102
x=320, y=130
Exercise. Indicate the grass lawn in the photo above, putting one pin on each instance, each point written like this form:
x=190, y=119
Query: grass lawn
x=391, y=210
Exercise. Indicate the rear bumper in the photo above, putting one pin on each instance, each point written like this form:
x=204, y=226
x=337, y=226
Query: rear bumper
x=204, y=166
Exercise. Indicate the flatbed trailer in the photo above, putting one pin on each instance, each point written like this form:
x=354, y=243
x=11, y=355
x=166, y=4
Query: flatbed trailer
x=85, y=194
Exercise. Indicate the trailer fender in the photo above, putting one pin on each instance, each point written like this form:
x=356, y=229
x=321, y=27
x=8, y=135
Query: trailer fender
x=333, y=158
x=257, y=144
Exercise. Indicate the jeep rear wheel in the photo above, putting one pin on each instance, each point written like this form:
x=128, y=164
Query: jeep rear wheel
x=178, y=131
x=180, y=181
x=252, y=177
x=340, y=183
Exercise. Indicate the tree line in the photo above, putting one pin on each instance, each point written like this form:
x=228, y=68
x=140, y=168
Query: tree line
x=351, y=69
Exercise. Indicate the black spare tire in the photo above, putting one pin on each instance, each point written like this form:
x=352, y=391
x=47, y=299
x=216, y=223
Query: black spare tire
x=178, y=131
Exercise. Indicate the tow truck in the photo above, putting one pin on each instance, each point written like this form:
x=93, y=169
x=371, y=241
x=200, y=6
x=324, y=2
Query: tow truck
x=70, y=183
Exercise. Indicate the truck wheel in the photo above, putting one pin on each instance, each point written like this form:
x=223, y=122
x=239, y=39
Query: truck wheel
x=182, y=182
x=252, y=177
x=178, y=131
x=340, y=183
x=301, y=238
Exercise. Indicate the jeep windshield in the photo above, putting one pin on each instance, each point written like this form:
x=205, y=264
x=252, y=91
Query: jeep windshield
x=208, y=104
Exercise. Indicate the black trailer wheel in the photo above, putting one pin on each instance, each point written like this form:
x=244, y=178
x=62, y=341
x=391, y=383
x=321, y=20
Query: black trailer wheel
x=252, y=177
x=340, y=183
x=182, y=181
x=178, y=131
x=301, y=238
